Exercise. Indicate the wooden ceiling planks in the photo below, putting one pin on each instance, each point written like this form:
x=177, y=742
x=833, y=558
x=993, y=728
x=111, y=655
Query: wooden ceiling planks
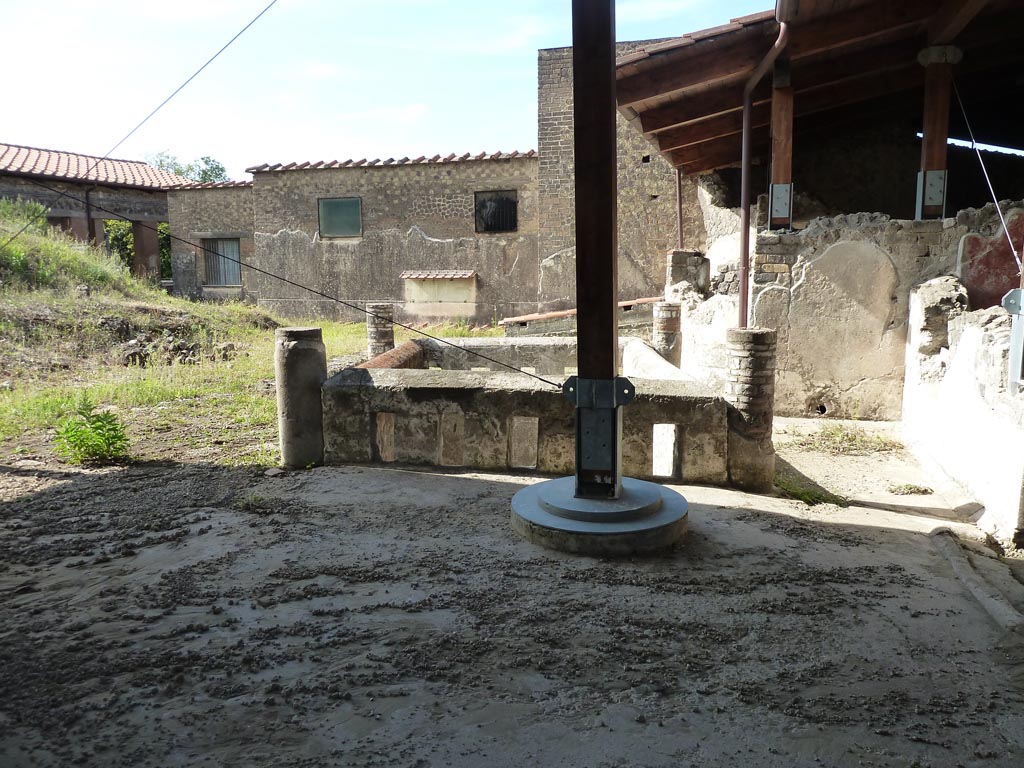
x=687, y=99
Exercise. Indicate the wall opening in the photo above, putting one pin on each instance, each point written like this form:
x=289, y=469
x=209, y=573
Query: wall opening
x=664, y=450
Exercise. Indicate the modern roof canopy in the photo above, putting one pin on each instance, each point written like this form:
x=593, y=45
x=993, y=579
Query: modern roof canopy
x=848, y=60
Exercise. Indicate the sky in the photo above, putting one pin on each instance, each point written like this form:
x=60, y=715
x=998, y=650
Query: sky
x=311, y=80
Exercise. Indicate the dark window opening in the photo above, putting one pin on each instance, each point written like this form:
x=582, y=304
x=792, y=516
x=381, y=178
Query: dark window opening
x=645, y=159
x=497, y=211
x=222, y=262
x=341, y=217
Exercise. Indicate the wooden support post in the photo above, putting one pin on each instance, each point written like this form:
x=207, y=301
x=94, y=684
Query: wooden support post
x=597, y=391
x=781, y=198
x=593, y=60
x=938, y=62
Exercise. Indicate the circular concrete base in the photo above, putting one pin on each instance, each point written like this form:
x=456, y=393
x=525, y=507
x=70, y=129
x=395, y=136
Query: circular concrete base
x=645, y=518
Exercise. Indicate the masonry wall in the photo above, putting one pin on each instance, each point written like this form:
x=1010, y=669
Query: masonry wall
x=198, y=214
x=414, y=217
x=133, y=204
x=838, y=294
x=960, y=413
x=647, y=195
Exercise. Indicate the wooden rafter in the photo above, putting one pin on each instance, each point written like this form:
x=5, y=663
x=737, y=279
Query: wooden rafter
x=691, y=66
x=950, y=19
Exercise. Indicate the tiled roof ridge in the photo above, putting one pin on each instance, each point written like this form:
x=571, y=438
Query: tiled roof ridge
x=211, y=185
x=21, y=160
x=377, y=162
x=77, y=154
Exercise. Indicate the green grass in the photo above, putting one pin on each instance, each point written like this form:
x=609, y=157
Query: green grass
x=60, y=347
x=809, y=495
x=842, y=440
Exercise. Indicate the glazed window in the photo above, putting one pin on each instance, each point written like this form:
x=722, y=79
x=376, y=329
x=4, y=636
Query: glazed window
x=341, y=217
x=222, y=257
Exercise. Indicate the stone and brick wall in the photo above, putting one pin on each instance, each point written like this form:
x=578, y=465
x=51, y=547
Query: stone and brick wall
x=959, y=411
x=212, y=213
x=838, y=294
x=417, y=216
x=133, y=204
x=647, y=195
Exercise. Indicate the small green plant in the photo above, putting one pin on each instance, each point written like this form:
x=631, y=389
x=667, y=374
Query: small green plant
x=841, y=440
x=808, y=495
x=89, y=435
x=909, y=489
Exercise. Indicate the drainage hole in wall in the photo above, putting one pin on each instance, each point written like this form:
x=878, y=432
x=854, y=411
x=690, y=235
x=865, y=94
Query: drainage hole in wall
x=821, y=409
x=645, y=159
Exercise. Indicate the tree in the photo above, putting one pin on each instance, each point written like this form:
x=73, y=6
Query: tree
x=203, y=170
x=120, y=239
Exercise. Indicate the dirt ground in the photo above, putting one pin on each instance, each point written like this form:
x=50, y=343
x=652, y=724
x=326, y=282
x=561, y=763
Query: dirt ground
x=165, y=614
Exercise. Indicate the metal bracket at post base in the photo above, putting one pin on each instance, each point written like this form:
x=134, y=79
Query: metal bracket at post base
x=598, y=393
x=1013, y=302
x=598, y=433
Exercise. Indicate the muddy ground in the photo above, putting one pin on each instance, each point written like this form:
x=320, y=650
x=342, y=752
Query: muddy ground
x=168, y=614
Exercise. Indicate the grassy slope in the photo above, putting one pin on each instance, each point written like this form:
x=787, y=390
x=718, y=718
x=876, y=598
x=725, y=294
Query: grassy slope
x=57, y=344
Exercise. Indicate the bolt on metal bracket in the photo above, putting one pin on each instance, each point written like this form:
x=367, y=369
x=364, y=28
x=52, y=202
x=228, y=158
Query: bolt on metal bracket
x=598, y=393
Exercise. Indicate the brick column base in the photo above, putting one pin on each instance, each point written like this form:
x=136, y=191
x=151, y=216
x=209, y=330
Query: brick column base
x=380, y=331
x=750, y=390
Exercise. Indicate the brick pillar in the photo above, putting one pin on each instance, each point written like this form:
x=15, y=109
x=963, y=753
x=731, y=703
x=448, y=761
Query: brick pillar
x=666, y=337
x=100, y=239
x=78, y=228
x=750, y=390
x=146, y=260
x=380, y=331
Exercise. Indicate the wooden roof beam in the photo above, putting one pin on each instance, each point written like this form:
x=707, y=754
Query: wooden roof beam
x=693, y=65
x=699, y=107
x=950, y=19
x=882, y=18
x=809, y=76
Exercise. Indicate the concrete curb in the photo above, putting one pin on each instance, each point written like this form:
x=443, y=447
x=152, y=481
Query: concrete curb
x=997, y=606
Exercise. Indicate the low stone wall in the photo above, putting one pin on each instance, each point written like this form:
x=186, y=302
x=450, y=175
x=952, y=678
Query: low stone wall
x=957, y=411
x=506, y=421
x=635, y=318
x=838, y=295
x=546, y=356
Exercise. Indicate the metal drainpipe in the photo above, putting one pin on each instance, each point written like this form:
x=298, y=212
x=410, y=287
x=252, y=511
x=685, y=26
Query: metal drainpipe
x=679, y=209
x=755, y=78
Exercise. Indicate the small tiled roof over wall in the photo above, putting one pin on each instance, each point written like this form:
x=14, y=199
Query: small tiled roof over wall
x=422, y=160
x=53, y=164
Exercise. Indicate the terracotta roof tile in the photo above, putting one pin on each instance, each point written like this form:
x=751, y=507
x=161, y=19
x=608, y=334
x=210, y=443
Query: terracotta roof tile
x=212, y=185
x=438, y=274
x=421, y=160
x=51, y=163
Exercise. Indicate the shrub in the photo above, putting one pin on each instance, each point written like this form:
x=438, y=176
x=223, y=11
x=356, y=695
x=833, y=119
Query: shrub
x=91, y=436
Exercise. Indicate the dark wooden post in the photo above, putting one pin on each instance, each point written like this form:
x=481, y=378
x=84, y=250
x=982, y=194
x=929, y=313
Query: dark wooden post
x=781, y=202
x=593, y=62
x=596, y=391
x=938, y=62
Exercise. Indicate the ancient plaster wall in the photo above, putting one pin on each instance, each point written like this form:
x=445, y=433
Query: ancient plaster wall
x=417, y=216
x=197, y=214
x=958, y=411
x=647, y=195
x=838, y=293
